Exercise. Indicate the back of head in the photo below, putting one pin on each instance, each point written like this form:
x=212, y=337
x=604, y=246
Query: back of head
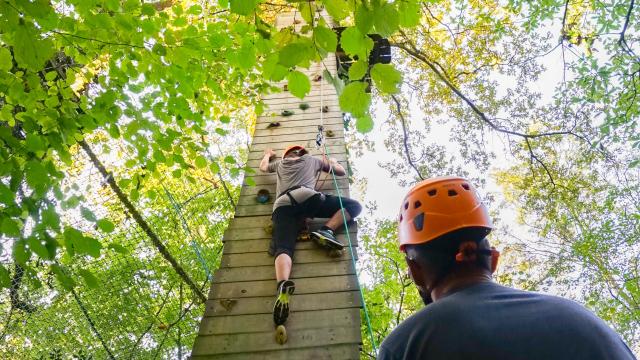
x=442, y=228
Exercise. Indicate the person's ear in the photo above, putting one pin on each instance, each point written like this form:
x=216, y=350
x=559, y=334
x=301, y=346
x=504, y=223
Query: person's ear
x=495, y=256
x=415, y=272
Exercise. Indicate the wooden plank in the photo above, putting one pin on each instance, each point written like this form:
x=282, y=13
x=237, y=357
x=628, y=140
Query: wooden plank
x=304, y=134
x=338, y=129
x=245, y=234
x=326, y=187
x=332, y=117
x=313, y=285
x=334, y=352
x=232, y=343
x=303, y=137
x=299, y=120
x=298, y=320
x=249, y=197
x=261, y=221
x=267, y=272
x=299, y=302
x=270, y=179
x=262, y=245
x=257, y=150
x=262, y=258
x=315, y=102
x=255, y=163
x=327, y=91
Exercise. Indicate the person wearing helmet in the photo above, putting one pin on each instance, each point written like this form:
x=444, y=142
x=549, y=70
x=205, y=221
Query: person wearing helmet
x=442, y=230
x=296, y=200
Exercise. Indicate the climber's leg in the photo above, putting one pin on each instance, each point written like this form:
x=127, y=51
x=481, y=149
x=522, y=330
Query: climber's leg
x=285, y=231
x=330, y=208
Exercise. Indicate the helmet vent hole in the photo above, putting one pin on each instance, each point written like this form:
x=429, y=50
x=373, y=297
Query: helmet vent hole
x=417, y=204
x=406, y=205
x=465, y=186
x=432, y=192
x=452, y=193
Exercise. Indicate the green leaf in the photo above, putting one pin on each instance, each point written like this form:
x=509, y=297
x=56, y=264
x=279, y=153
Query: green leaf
x=364, y=18
x=10, y=227
x=250, y=181
x=225, y=119
x=105, y=225
x=386, y=78
x=76, y=242
x=364, y=124
x=65, y=280
x=409, y=13
x=358, y=70
x=6, y=60
x=325, y=38
x=299, y=84
x=34, y=143
x=296, y=53
x=38, y=247
x=20, y=252
x=195, y=10
x=354, y=99
x=338, y=9
x=30, y=49
x=87, y=214
x=5, y=277
x=386, y=19
x=354, y=43
x=243, y=7
x=89, y=278
x=200, y=161
x=214, y=167
x=229, y=159
x=6, y=195
x=118, y=248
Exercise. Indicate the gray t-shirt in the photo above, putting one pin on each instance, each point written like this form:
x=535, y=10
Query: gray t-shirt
x=489, y=321
x=299, y=171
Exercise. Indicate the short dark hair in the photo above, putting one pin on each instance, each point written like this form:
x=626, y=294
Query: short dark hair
x=440, y=253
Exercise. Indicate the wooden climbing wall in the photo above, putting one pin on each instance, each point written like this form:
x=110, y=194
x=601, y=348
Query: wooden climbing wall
x=324, y=322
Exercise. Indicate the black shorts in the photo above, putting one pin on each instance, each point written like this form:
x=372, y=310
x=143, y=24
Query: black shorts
x=287, y=220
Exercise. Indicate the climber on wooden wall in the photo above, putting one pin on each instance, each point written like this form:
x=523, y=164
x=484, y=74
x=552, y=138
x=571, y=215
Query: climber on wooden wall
x=442, y=230
x=297, y=199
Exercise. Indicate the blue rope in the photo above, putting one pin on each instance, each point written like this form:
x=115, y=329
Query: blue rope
x=353, y=261
x=196, y=248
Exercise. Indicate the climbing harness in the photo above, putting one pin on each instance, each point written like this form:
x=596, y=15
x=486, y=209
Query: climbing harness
x=326, y=155
x=196, y=248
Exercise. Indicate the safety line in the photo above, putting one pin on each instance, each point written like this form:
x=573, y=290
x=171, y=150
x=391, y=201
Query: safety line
x=327, y=155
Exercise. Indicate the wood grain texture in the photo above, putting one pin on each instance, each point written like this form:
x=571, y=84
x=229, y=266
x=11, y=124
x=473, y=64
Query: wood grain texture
x=262, y=258
x=299, y=302
x=267, y=272
x=324, y=284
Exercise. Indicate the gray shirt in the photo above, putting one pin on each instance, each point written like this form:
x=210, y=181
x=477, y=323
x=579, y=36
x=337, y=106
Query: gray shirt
x=489, y=321
x=299, y=171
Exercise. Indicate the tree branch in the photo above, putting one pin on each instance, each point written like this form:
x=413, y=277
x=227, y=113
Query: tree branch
x=406, y=137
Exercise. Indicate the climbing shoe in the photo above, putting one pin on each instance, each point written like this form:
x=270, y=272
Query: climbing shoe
x=325, y=238
x=281, y=306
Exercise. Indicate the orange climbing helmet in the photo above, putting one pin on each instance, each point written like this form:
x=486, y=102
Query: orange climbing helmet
x=438, y=206
x=292, y=148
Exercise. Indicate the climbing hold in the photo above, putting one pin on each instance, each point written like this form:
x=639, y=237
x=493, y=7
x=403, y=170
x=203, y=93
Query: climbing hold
x=268, y=228
x=303, y=236
x=281, y=335
x=273, y=125
x=285, y=87
x=263, y=196
x=228, y=304
x=329, y=133
x=335, y=253
x=317, y=78
x=287, y=113
x=325, y=109
x=303, y=106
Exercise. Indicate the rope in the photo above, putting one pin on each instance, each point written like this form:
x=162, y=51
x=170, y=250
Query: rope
x=185, y=226
x=326, y=155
